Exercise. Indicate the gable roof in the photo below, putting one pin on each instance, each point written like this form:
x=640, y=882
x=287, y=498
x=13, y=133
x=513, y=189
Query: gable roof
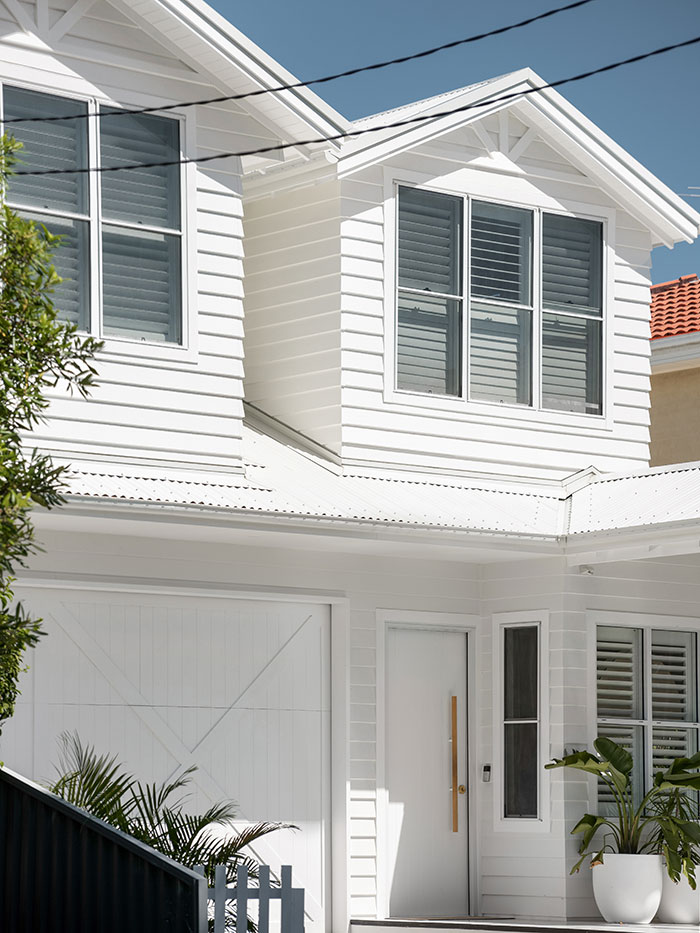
x=209, y=43
x=592, y=151
x=675, y=307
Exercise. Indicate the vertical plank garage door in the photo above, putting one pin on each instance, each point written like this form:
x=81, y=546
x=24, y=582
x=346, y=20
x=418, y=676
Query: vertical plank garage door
x=238, y=688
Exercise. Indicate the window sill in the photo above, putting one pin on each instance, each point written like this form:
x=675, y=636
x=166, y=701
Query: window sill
x=481, y=411
x=127, y=349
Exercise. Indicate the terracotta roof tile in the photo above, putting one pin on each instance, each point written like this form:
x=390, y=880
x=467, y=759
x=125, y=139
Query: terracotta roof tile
x=675, y=307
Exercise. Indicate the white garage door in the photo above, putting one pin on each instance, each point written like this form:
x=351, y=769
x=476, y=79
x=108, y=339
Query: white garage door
x=238, y=688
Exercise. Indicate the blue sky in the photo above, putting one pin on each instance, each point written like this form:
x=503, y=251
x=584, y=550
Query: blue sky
x=650, y=108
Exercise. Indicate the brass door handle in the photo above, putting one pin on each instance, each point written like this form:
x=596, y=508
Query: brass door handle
x=455, y=789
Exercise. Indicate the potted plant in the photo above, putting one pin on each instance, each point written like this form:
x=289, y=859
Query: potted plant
x=680, y=897
x=627, y=866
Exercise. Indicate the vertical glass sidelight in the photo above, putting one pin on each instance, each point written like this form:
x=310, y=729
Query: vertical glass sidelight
x=572, y=291
x=429, y=304
x=59, y=202
x=521, y=719
x=141, y=227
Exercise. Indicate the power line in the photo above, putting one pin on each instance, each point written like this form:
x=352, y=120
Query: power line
x=300, y=84
x=262, y=150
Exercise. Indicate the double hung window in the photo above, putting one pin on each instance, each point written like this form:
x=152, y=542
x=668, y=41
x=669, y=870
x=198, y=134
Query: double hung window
x=498, y=303
x=647, y=696
x=120, y=253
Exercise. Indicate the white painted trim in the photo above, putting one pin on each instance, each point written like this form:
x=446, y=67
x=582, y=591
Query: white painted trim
x=673, y=353
x=500, y=621
x=437, y=621
x=338, y=889
x=629, y=619
x=125, y=348
x=68, y=20
x=469, y=186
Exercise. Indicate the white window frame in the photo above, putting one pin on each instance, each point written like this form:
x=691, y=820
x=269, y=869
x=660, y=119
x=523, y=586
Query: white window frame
x=475, y=185
x=647, y=622
x=518, y=824
x=115, y=346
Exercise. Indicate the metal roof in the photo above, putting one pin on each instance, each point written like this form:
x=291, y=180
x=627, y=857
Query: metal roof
x=282, y=478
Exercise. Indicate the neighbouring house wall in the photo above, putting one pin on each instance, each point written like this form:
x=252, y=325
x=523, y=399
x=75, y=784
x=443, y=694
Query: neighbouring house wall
x=675, y=416
x=183, y=408
x=292, y=309
x=482, y=437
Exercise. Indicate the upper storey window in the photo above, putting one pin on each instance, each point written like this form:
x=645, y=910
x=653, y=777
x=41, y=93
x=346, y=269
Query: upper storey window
x=509, y=313
x=120, y=254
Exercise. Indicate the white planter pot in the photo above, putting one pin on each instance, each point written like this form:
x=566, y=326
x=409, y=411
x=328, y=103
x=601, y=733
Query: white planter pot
x=627, y=888
x=679, y=903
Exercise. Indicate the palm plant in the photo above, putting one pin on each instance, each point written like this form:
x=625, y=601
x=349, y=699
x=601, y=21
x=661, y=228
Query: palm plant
x=651, y=825
x=155, y=813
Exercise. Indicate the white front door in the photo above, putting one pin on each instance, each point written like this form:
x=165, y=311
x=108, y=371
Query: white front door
x=426, y=748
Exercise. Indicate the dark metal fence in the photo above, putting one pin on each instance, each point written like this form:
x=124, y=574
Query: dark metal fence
x=63, y=871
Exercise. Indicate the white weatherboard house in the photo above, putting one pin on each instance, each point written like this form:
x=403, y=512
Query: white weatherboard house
x=360, y=518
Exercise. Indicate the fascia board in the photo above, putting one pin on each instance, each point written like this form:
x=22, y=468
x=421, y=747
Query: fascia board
x=377, y=146
x=214, y=33
x=666, y=214
x=669, y=354
x=610, y=162
x=640, y=543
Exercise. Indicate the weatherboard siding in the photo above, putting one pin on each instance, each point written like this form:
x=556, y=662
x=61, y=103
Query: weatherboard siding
x=293, y=335
x=419, y=432
x=168, y=411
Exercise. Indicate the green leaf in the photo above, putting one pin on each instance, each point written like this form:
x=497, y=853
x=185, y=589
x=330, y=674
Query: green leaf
x=618, y=756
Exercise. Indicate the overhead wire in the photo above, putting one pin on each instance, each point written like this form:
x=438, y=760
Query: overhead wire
x=360, y=131
x=296, y=85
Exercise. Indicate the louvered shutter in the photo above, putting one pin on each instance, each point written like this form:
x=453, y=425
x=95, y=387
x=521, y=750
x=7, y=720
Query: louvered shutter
x=571, y=379
x=141, y=268
x=500, y=354
x=56, y=145
x=571, y=264
x=619, y=676
x=673, y=695
x=149, y=196
x=429, y=323
x=501, y=253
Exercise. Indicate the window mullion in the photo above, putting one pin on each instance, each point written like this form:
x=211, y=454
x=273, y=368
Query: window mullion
x=466, y=299
x=95, y=269
x=536, y=374
x=647, y=708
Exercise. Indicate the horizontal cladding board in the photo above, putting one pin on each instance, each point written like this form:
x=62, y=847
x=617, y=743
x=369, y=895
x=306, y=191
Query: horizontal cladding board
x=286, y=259
x=225, y=325
x=278, y=384
x=219, y=202
x=176, y=380
x=362, y=249
x=216, y=264
x=362, y=229
x=276, y=241
x=490, y=446
x=224, y=286
x=489, y=427
x=293, y=219
x=262, y=299
x=221, y=419
x=126, y=395
x=139, y=440
x=282, y=314
x=292, y=275
x=219, y=244
x=208, y=222
x=271, y=331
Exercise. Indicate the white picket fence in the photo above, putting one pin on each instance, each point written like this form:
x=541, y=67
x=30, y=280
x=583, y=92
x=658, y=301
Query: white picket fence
x=291, y=900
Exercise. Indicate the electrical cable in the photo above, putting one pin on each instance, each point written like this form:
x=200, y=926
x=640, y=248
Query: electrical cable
x=360, y=131
x=300, y=84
